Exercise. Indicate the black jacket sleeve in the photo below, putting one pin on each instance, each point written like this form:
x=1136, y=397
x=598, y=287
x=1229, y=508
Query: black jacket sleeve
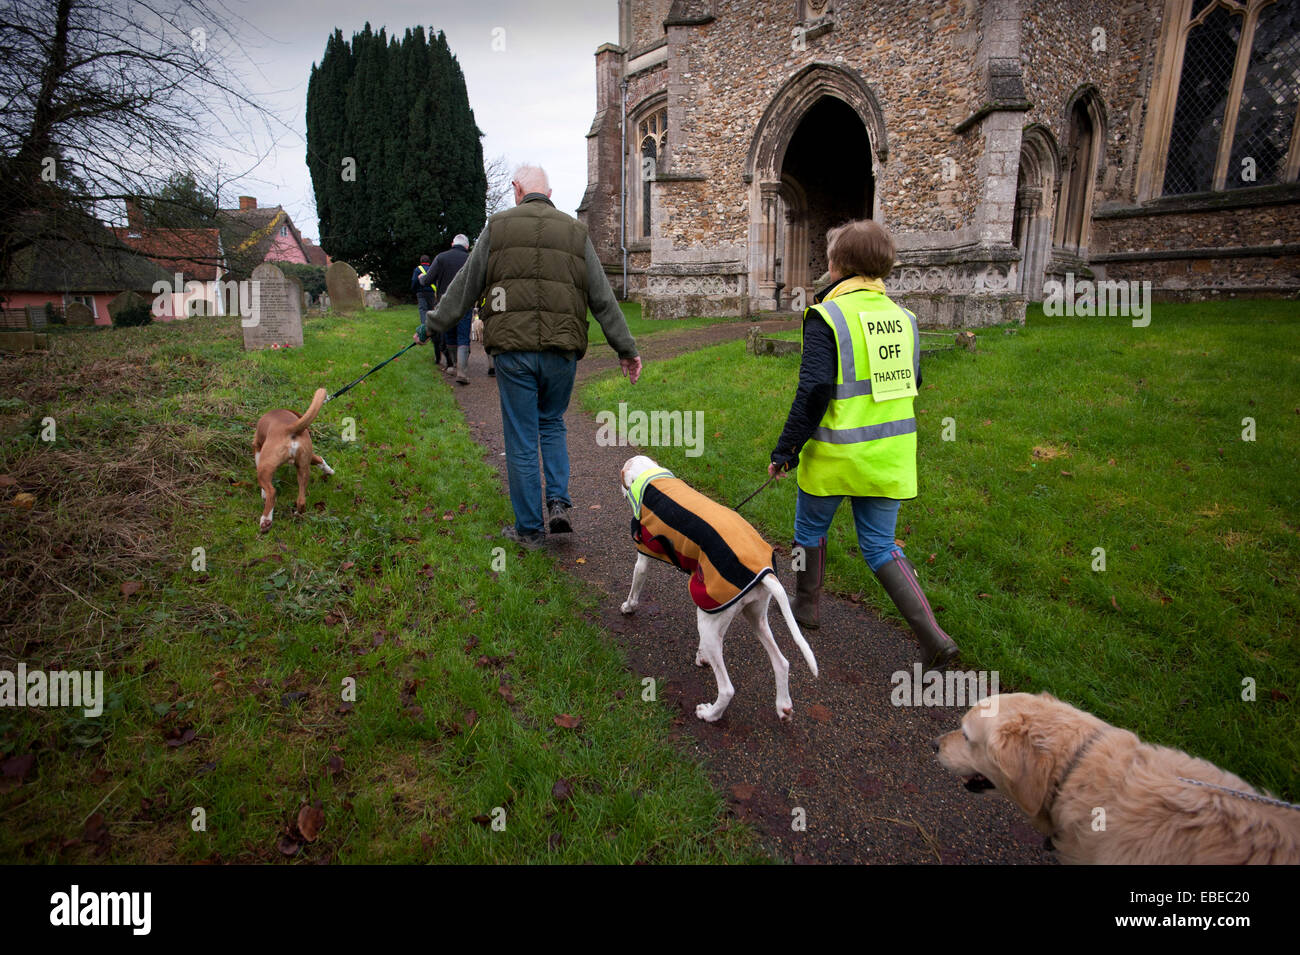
x=816, y=386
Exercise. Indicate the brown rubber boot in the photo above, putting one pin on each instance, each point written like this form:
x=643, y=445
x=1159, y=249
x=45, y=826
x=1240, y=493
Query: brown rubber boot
x=899, y=580
x=808, y=586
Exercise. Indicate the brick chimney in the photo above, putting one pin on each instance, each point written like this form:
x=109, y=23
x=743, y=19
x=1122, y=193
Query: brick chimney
x=247, y=202
x=134, y=220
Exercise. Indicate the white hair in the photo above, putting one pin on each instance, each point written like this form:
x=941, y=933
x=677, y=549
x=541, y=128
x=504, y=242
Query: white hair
x=532, y=178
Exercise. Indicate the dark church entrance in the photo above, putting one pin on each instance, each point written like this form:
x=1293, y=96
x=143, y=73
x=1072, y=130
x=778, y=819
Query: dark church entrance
x=826, y=180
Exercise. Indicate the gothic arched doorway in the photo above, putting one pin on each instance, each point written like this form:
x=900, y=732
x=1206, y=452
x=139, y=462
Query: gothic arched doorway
x=826, y=179
x=813, y=164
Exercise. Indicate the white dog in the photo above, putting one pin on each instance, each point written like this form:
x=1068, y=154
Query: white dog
x=731, y=570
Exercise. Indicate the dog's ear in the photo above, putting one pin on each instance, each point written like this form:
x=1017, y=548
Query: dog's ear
x=1025, y=761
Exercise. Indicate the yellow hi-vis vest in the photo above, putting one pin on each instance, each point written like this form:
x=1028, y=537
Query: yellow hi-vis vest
x=865, y=444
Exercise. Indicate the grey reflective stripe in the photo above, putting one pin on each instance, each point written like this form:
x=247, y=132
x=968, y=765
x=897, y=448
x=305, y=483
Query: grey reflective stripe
x=853, y=389
x=848, y=372
x=872, y=432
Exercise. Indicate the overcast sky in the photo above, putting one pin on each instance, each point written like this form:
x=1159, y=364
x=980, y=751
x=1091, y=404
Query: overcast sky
x=534, y=100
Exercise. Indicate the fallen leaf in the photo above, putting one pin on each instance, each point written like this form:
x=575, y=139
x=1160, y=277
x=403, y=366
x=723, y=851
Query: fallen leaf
x=568, y=722
x=180, y=736
x=581, y=560
x=130, y=587
x=336, y=766
x=288, y=845
x=562, y=790
x=506, y=693
x=347, y=565
x=345, y=707
x=820, y=713
x=483, y=819
x=1113, y=604
x=310, y=819
x=471, y=717
x=742, y=792
x=8, y=480
x=17, y=767
x=24, y=500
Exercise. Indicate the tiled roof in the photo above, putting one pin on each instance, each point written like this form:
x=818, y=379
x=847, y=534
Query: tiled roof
x=196, y=253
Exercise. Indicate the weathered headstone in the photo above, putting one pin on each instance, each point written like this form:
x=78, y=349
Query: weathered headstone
x=276, y=317
x=344, y=288
x=323, y=303
x=375, y=299
x=78, y=313
x=124, y=301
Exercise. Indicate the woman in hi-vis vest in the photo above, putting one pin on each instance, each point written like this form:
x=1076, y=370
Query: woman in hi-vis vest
x=852, y=431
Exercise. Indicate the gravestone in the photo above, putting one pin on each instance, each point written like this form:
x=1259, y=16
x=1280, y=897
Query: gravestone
x=757, y=344
x=78, y=313
x=124, y=301
x=276, y=317
x=344, y=288
x=375, y=299
x=323, y=303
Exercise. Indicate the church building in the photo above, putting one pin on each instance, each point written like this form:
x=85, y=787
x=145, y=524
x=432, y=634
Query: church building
x=1005, y=143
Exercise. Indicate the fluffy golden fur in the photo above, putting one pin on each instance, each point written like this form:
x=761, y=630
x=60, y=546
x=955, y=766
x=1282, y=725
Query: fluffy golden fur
x=1072, y=774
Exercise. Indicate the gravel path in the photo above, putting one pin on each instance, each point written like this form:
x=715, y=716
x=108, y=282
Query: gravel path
x=863, y=771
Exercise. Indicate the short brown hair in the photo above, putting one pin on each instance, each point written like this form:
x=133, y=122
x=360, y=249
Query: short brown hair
x=864, y=247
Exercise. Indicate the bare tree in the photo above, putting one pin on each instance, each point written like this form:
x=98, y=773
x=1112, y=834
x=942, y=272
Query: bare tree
x=498, y=184
x=105, y=100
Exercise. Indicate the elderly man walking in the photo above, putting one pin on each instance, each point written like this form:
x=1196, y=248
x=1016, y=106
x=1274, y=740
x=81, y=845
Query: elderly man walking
x=536, y=273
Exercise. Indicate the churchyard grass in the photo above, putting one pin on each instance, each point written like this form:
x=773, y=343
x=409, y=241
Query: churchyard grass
x=640, y=327
x=1071, y=436
x=226, y=681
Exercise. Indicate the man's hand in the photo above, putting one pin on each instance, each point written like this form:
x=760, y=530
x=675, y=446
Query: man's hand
x=773, y=471
x=631, y=368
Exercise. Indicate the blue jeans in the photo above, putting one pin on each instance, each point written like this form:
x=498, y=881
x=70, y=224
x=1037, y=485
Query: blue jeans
x=875, y=518
x=535, y=389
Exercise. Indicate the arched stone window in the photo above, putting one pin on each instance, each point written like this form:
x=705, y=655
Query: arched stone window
x=1085, y=138
x=651, y=139
x=1236, y=64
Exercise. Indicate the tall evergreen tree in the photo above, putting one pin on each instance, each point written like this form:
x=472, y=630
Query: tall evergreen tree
x=395, y=156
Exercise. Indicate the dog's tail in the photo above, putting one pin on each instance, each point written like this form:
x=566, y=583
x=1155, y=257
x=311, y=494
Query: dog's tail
x=305, y=421
x=778, y=594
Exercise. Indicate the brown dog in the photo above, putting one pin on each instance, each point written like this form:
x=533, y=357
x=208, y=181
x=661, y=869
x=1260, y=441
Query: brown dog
x=282, y=436
x=1103, y=796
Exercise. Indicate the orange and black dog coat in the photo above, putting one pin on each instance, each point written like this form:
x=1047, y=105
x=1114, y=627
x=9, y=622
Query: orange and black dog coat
x=721, y=551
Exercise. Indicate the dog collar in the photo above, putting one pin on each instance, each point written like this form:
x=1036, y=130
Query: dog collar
x=637, y=490
x=1060, y=784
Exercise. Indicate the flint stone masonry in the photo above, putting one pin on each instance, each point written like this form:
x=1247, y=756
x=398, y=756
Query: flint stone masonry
x=966, y=107
x=276, y=318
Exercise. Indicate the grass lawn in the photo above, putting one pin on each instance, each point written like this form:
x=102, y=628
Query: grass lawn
x=640, y=327
x=1072, y=435
x=228, y=672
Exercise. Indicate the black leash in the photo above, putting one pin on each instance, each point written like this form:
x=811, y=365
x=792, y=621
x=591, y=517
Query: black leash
x=353, y=384
x=756, y=493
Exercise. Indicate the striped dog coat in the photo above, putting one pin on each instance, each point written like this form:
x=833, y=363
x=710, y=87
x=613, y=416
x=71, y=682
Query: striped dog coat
x=677, y=524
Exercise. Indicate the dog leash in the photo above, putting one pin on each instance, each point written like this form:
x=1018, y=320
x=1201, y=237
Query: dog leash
x=353, y=384
x=756, y=493
x=1253, y=797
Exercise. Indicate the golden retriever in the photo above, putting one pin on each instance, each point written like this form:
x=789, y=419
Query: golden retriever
x=1102, y=796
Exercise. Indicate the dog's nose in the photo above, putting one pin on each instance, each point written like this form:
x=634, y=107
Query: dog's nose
x=934, y=743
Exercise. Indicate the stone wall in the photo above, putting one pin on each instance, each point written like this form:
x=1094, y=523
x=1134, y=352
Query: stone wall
x=949, y=87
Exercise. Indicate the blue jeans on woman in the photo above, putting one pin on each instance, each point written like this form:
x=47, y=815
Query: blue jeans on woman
x=535, y=389
x=875, y=518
